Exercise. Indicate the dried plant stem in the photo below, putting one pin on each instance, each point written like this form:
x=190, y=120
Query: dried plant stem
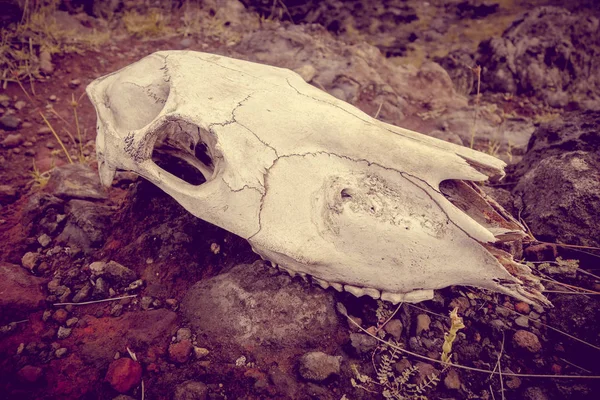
x=57, y=138
x=95, y=301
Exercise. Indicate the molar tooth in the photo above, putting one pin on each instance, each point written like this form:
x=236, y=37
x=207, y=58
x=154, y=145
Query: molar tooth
x=393, y=298
x=374, y=293
x=324, y=284
x=337, y=286
x=358, y=292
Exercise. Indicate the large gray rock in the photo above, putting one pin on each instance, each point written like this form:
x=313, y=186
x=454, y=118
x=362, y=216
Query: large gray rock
x=254, y=305
x=547, y=52
x=87, y=226
x=558, y=180
x=76, y=181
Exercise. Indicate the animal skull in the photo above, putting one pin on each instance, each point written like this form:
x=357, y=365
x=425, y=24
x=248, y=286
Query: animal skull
x=314, y=184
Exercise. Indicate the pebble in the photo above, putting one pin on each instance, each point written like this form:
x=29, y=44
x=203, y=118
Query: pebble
x=52, y=97
x=191, y=390
x=534, y=393
x=13, y=140
x=101, y=288
x=498, y=324
x=394, y=328
x=180, y=352
x=60, y=353
x=503, y=312
x=522, y=321
x=135, y=285
x=44, y=130
x=30, y=374
x=423, y=322
x=112, y=270
x=7, y=193
x=71, y=322
x=75, y=83
x=462, y=303
x=83, y=293
x=29, y=152
x=44, y=240
x=146, y=302
x=20, y=104
x=362, y=343
x=317, y=366
x=522, y=307
x=63, y=332
x=200, y=352
x=452, y=380
x=513, y=382
x=116, y=310
x=46, y=63
x=29, y=260
x=527, y=340
x=184, y=334
x=46, y=315
x=124, y=374
x=10, y=123
x=60, y=315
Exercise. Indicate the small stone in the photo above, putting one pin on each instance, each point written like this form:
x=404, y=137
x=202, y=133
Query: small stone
x=71, y=322
x=124, y=374
x=116, y=310
x=522, y=307
x=46, y=66
x=534, y=393
x=52, y=97
x=394, y=328
x=241, y=361
x=184, y=334
x=13, y=140
x=20, y=104
x=83, y=293
x=44, y=240
x=401, y=365
x=191, y=390
x=353, y=326
x=362, y=343
x=30, y=374
x=11, y=123
x=513, y=382
x=452, y=380
x=503, y=312
x=75, y=83
x=63, y=332
x=65, y=296
x=200, y=352
x=527, y=340
x=522, y=321
x=7, y=194
x=60, y=353
x=46, y=315
x=462, y=303
x=318, y=366
x=101, y=288
x=113, y=271
x=135, y=285
x=146, y=302
x=29, y=152
x=60, y=315
x=180, y=352
x=44, y=130
x=50, y=145
x=29, y=260
x=423, y=322
x=425, y=371
x=498, y=324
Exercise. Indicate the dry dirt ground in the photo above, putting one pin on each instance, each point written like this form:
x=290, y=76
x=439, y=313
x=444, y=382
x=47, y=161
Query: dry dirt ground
x=245, y=330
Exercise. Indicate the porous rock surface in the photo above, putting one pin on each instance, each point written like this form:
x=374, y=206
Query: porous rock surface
x=558, y=180
x=255, y=305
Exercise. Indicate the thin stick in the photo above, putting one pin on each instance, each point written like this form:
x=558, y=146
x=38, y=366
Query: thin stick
x=500, y=367
x=341, y=309
x=378, y=110
x=390, y=318
x=57, y=138
x=95, y=301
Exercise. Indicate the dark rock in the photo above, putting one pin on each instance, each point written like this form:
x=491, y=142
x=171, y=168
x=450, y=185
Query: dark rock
x=527, y=340
x=11, y=123
x=87, y=226
x=60, y=315
x=362, y=343
x=83, y=293
x=100, y=288
x=41, y=213
x=318, y=366
x=563, y=164
x=546, y=52
x=30, y=374
x=124, y=374
x=20, y=292
x=76, y=181
x=534, y=393
x=286, y=384
x=394, y=327
x=253, y=305
x=191, y=390
x=452, y=380
x=181, y=352
x=8, y=194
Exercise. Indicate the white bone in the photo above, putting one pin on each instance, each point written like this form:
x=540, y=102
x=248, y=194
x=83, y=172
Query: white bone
x=314, y=184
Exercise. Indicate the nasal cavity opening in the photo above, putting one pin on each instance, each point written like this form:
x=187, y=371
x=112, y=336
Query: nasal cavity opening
x=180, y=151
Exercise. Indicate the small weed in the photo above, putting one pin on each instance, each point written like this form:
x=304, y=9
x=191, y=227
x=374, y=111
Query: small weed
x=40, y=179
x=152, y=23
x=456, y=324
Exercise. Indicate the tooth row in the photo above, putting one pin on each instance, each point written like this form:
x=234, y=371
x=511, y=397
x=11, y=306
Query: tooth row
x=394, y=298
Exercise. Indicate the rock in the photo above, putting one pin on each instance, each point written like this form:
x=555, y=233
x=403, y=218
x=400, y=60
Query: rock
x=12, y=140
x=362, y=343
x=180, y=352
x=44, y=240
x=562, y=163
x=423, y=322
x=46, y=66
x=527, y=340
x=60, y=315
x=20, y=292
x=452, y=380
x=394, y=327
x=87, y=225
x=74, y=83
x=8, y=194
x=522, y=321
x=124, y=374
x=424, y=372
x=103, y=337
x=71, y=322
x=255, y=304
x=184, y=334
x=498, y=324
x=60, y=353
x=200, y=352
x=462, y=303
x=286, y=385
x=191, y=390
x=317, y=366
x=101, y=288
x=522, y=307
x=534, y=393
x=546, y=52
x=29, y=260
x=113, y=271
x=19, y=105
x=83, y=293
x=11, y=123
x=63, y=332
x=30, y=374
x=76, y=181
x=146, y=302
